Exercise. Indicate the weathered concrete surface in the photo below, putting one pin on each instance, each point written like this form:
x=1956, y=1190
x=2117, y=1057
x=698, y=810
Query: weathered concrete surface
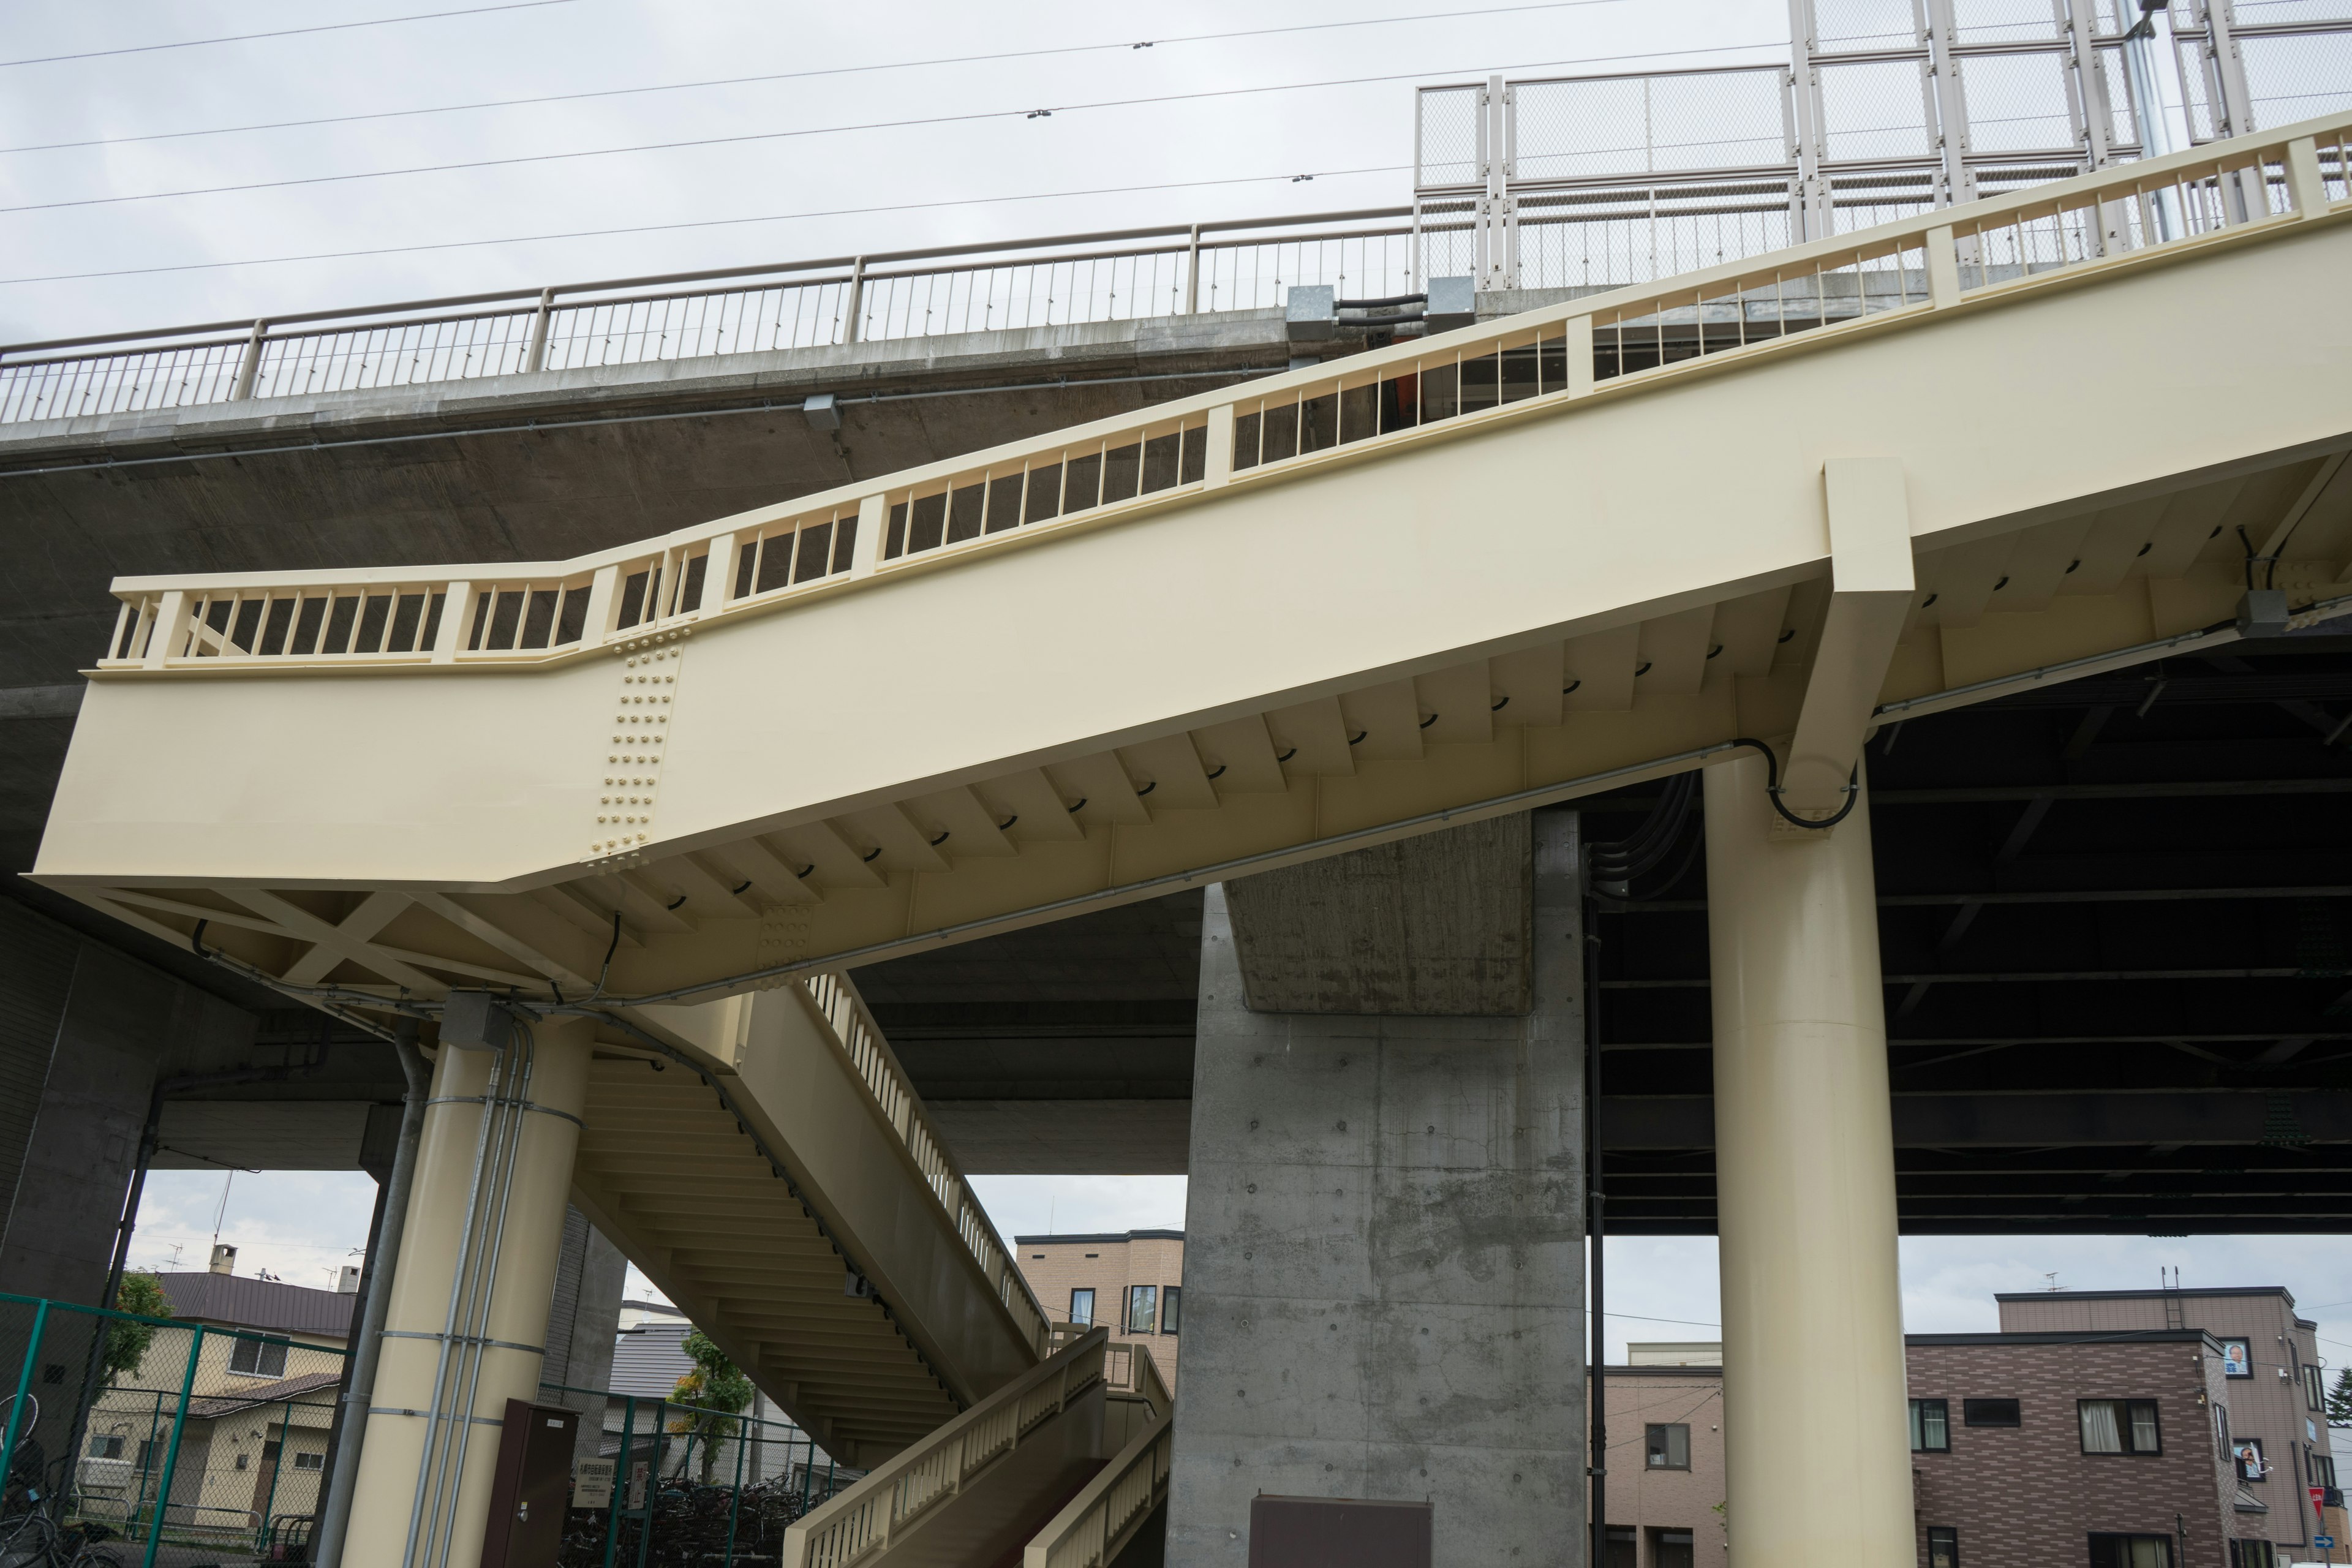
x=590, y=1277
x=1434, y=926
x=1384, y=1261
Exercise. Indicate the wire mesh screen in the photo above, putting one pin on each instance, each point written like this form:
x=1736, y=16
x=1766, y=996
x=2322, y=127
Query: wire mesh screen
x=2295, y=77
x=1874, y=110
x=1446, y=139
x=2122, y=121
x=2007, y=21
x=1859, y=200
x=1852, y=26
x=2019, y=103
x=1606, y=238
x=1597, y=126
x=2286, y=13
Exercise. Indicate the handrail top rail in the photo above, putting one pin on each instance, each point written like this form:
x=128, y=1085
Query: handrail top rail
x=949, y=1432
x=1091, y=1496
x=164, y=337
x=2081, y=191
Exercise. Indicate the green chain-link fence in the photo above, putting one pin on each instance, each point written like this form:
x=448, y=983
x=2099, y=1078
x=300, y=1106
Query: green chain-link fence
x=148, y=1443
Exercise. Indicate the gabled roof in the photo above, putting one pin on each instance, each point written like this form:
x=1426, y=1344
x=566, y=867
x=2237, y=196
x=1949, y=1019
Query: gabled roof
x=245, y=1303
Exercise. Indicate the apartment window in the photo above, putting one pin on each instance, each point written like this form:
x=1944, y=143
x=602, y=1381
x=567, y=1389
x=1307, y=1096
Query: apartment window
x=258, y=1358
x=1082, y=1307
x=2315, y=1392
x=2323, y=1470
x=309, y=1461
x=1990, y=1413
x=151, y=1452
x=2131, y=1552
x=1143, y=1309
x=2246, y=1453
x=103, y=1446
x=1943, y=1546
x=1172, y=1302
x=2119, y=1427
x=2252, y=1555
x=1672, y=1548
x=1623, y=1544
x=1931, y=1426
x=1667, y=1447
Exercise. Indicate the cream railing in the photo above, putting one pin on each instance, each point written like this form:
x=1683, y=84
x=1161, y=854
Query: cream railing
x=1098, y=1522
x=835, y=1003
x=869, y=1516
x=1417, y=389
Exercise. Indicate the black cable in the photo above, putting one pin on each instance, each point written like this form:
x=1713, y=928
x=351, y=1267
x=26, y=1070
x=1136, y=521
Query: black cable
x=1773, y=787
x=281, y=33
x=1614, y=866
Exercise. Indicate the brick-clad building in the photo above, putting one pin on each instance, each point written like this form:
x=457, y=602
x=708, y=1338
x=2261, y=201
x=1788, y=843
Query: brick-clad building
x=2029, y=1449
x=1131, y=1282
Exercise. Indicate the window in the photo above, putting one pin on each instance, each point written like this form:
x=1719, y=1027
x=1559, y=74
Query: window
x=1143, y=1309
x=2120, y=1426
x=1988, y=1412
x=104, y=1447
x=1171, y=1302
x=2323, y=1470
x=151, y=1452
x=1943, y=1546
x=258, y=1358
x=1667, y=1447
x=2247, y=1454
x=1931, y=1426
x=2315, y=1396
x=2131, y=1551
x=2252, y=1555
x=309, y=1461
x=1622, y=1545
x=1672, y=1548
x=1082, y=1307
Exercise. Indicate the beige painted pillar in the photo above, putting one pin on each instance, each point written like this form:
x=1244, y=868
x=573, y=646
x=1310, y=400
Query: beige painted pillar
x=1816, y=1425
x=472, y=1357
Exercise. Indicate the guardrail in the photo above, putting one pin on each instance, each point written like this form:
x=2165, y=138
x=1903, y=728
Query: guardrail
x=836, y=1004
x=628, y=601
x=1178, y=269
x=1107, y=1514
x=894, y=1498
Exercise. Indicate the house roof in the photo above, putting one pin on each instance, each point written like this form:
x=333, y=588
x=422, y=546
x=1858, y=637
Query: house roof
x=1103, y=1237
x=647, y=1361
x=2143, y=1295
x=246, y=1303
x=285, y=1388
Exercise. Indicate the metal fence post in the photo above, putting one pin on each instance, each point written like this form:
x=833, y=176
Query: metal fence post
x=24, y=1389
x=172, y=1453
x=735, y=1503
x=251, y=367
x=537, y=358
x=620, y=1477
x=856, y=297
x=277, y=1468
x=1192, y=274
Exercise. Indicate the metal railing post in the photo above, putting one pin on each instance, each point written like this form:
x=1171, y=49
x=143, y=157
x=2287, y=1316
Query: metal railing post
x=1192, y=273
x=856, y=299
x=172, y=1453
x=620, y=1476
x=24, y=1388
x=276, y=1469
x=251, y=367
x=537, y=358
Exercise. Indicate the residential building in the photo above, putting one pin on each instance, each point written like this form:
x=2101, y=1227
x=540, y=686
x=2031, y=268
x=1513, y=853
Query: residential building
x=1131, y=1282
x=252, y=1450
x=648, y=1360
x=2273, y=1388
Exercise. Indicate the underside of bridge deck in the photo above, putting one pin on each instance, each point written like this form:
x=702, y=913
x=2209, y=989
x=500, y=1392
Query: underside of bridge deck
x=2115, y=917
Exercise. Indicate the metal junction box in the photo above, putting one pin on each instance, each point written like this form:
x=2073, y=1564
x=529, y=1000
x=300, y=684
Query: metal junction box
x=531, y=1487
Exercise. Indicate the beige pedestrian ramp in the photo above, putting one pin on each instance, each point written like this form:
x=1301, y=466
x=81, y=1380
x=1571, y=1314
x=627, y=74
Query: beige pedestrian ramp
x=1905, y=469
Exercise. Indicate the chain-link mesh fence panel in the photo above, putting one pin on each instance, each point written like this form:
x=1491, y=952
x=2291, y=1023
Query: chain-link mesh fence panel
x=2008, y=21
x=1875, y=108
x=1595, y=127
x=2296, y=77
x=1850, y=26
x=1572, y=130
x=2122, y=122
x=2280, y=13
x=2018, y=103
x=1445, y=140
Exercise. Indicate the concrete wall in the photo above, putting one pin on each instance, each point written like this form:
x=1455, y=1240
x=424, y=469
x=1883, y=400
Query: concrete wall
x=1385, y=1238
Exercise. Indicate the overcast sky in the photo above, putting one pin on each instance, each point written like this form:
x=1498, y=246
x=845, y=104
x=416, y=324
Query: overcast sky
x=1252, y=142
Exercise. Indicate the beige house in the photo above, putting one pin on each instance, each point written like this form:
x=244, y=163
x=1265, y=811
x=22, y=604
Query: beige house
x=251, y=1454
x=1131, y=1282
x=1666, y=1456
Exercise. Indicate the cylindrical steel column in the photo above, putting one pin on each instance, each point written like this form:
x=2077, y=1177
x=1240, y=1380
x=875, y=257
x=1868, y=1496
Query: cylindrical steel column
x=1816, y=1425
x=468, y=1319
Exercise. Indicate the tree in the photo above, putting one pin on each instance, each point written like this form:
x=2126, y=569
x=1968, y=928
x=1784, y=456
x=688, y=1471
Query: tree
x=127, y=1343
x=2339, y=1400
x=716, y=1389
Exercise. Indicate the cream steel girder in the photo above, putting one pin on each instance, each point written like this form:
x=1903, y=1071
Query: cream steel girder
x=1459, y=575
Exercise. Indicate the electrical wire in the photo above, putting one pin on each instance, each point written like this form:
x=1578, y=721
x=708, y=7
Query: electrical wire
x=795, y=76
x=711, y=223
x=280, y=33
x=1033, y=111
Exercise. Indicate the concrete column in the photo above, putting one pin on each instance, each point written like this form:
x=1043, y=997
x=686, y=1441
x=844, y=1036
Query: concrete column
x=1384, y=1254
x=1816, y=1427
x=476, y=1264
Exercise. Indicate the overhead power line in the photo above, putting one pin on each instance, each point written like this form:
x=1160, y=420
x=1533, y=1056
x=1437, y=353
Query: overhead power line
x=1284, y=178
x=1027, y=111
x=1122, y=46
x=280, y=33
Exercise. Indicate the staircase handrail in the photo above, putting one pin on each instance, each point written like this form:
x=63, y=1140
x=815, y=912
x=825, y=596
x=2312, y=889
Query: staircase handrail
x=1108, y=1511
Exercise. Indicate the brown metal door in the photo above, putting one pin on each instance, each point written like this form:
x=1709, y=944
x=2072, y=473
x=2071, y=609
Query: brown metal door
x=533, y=1486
